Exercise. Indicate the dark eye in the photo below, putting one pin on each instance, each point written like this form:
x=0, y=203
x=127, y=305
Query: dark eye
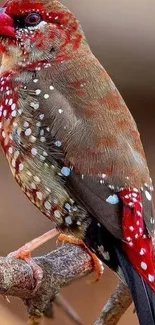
x=33, y=19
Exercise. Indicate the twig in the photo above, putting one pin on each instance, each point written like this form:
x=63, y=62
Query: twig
x=67, y=308
x=60, y=268
x=116, y=306
x=63, y=304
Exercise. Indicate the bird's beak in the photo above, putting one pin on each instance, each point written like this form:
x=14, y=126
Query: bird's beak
x=6, y=24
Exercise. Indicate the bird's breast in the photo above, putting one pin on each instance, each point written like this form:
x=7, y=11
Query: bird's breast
x=35, y=156
x=23, y=136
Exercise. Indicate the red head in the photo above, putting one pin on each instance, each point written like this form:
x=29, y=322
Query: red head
x=38, y=30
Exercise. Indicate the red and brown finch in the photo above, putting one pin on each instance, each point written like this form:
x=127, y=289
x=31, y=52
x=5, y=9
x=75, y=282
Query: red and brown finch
x=72, y=145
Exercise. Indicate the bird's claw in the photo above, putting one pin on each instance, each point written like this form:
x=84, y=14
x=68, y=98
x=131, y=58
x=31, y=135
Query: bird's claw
x=25, y=255
x=21, y=253
x=97, y=264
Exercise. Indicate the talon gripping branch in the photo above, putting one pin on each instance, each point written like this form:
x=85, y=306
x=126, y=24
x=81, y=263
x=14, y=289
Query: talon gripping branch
x=72, y=145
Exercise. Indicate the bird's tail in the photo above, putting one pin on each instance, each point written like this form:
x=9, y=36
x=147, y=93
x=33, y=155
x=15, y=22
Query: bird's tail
x=143, y=295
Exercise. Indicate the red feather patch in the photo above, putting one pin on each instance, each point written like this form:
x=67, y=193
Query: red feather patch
x=138, y=244
x=20, y=8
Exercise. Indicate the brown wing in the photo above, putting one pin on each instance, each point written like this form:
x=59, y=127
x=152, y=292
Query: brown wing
x=104, y=203
x=95, y=196
x=98, y=135
x=148, y=210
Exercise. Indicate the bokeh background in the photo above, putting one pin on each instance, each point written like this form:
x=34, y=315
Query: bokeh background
x=122, y=35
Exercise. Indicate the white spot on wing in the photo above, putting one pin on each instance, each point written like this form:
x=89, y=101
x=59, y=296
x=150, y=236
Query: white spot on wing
x=144, y=266
x=34, y=105
x=39, y=195
x=47, y=205
x=28, y=132
x=148, y=195
x=151, y=278
x=57, y=214
x=21, y=167
x=142, y=251
x=104, y=253
x=68, y=220
x=38, y=91
x=113, y=199
x=46, y=96
x=34, y=151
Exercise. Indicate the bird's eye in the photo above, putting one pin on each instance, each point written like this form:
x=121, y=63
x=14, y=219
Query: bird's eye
x=33, y=19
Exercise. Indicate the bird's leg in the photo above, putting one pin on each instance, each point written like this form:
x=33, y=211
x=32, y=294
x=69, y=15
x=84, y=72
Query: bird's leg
x=28, y=248
x=97, y=264
x=25, y=251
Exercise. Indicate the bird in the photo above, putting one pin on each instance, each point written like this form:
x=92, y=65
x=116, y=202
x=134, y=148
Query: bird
x=73, y=146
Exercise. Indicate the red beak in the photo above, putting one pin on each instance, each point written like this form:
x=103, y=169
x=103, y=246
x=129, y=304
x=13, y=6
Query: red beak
x=6, y=24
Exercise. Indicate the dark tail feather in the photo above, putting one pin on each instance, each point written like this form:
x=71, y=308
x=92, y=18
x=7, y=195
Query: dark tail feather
x=143, y=296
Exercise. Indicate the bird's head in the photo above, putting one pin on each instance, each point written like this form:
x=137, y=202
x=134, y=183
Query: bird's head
x=38, y=30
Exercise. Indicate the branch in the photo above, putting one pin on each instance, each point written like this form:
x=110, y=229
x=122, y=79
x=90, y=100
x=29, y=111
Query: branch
x=67, y=308
x=116, y=306
x=60, y=268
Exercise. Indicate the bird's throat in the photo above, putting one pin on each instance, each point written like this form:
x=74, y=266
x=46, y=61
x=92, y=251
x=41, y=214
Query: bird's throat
x=10, y=59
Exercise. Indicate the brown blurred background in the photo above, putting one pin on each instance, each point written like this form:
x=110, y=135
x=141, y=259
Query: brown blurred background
x=122, y=35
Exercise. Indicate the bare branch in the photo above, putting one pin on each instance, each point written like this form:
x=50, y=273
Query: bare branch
x=116, y=306
x=67, y=308
x=60, y=268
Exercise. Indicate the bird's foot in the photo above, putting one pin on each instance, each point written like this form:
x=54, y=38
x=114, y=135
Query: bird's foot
x=97, y=264
x=24, y=253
